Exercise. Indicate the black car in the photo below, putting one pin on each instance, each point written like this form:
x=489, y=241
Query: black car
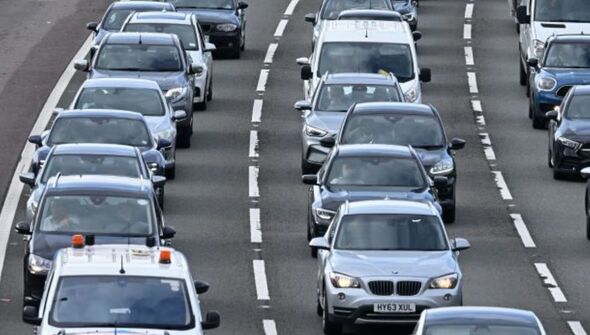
x=416, y=125
x=585, y=172
x=569, y=133
x=107, y=209
x=223, y=20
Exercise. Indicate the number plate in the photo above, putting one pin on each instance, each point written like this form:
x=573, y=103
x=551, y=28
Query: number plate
x=394, y=308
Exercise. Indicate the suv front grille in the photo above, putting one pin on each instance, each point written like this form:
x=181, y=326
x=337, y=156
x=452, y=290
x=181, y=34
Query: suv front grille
x=381, y=287
x=408, y=288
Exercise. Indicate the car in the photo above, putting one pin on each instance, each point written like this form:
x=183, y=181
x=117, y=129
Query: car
x=154, y=56
x=569, y=134
x=90, y=159
x=114, y=210
x=384, y=262
x=117, y=13
x=324, y=113
x=103, y=126
x=188, y=30
x=355, y=172
x=331, y=9
x=478, y=320
x=416, y=125
x=585, y=172
x=366, y=47
x=409, y=11
x=224, y=21
x=564, y=64
x=132, y=288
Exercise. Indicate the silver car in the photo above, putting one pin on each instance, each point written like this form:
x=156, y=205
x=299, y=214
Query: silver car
x=386, y=261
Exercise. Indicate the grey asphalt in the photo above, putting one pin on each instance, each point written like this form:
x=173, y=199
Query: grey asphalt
x=208, y=202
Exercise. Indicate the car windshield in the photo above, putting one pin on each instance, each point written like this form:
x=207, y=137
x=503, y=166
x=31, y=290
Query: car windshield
x=115, y=19
x=338, y=98
x=487, y=329
x=100, y=130
x=418, y=131
x=337, y=57
x=562, y=10
x=139, y=57
x=370, y=17
x=333, y=7
x=208, y=4
x=97, y=215
x=70, y=165
x=121, y=301
x=577, y=108
x=375, y=171
x=186, y=33
x=145, y=101
x=390, y=232
x=568, y=55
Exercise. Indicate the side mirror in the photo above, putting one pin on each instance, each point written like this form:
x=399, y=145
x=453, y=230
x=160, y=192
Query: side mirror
x=309, y=179
x=311, y=18
x=320, y=243
x=328, y=142
x=168, y=233
x=302, y=105
x=31, y=315
x=457, y=144
x=201, y=287
x=158, y=181
x=533, y=62
x=82, y=65
x=179, y=115
x=242, y=5
x=441, y=181
x=36, y=139
x=57, y=110
x=552, y=114
x=302, y=61
x=585, y=173
x=163, y=143
x=306, y=72
x=522, y=16
x=27, y=178
x=212, y=320
x=195, y=69
x=210, y=47
x=93, y=26
x=417, y=35
x=23, y=228
x=425, y=75
x=460, y=244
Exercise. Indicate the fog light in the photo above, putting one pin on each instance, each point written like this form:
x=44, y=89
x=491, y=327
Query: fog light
x=341, y=296
x=447, y=297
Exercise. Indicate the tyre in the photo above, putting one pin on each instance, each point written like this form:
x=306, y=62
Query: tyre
x=201, y=106
x=160, y=193
x=210, y=91
x=318, y=308
x=308, y=168
x=183, y=139
x=587, y=227
x=558, y=175
x=549, y=160
x=170, y=174
x=523, y=75
x=538, y=122
x=448, y=214
x=330, y=327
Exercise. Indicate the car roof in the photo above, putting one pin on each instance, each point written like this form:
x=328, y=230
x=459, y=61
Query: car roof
x=565, y=38
x=581, y=89
x=371, y=12
x=458, y=314
x=360, y=78
x=121, y=82
x=387, y=206
x=99, y=184
x=162, y=17
x=374, y=150
x=140, y=5
x=100, y=113
x=366, y=31
x=392, y=107
x=140, y=38
x=94, y=149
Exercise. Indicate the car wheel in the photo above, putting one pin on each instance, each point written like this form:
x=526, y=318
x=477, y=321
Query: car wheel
x=318, y=308
x=448, y=214
x=538, y=122
x=528, y=85
x=307, y=168
x=210, y=91
x=523, y=75
x=558, y=175
x=160, y=192
x=170, y=173
x=183, y=139
x=201, y=106
x=330, y=327
x=243, y=46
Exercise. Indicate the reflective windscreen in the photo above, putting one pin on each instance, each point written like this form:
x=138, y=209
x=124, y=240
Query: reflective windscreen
x=139, y=57
x=121, y=301
x=96, y=214
x=333, y=7
x=375, y=171
x=338, y=98
x=487, y=329
x=145, y=101
x=568, y=55
x=578, y=107
x=418, y=131
x=367, y=58
x=100, y=130
x=115, y=19
x=390, y=232
x=208, y=4
x=69, y=165
x=562, y=10
x=186, y=33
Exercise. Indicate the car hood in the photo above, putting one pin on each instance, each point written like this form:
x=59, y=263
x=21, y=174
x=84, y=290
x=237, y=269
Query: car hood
x=544, y=30
x=424, y=264
x=569, y=76
x=196, y=57
x=332, y=200
x=213, y=15
x=576, y=130
x=430, y=157
x=166, y=80
x=45, y=245
x=158, y=123
x=330, y=121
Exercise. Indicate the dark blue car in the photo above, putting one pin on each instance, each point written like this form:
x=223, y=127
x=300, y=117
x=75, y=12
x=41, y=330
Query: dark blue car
x=566, y=63
x=408, y=10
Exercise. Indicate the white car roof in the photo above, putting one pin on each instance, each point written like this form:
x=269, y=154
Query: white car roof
x=391, y=206
x=366, y=31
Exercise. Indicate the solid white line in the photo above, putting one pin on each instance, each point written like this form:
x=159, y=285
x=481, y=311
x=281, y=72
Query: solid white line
x=253, y=150
x=257, y=111
x=476, y=106
x=522, y=230
x=270, y=53
x=260, y=280
x=576, y=327
x=550, y=282
x=270, y=327
x=502, y=186
x=255, y=228
x=467, y=31
x=281, y=27
x=472, y=81
x=291, y=8
x=469, y=56
x=15, y=189
x=261, y=87
x=469, y=11
x=253, y=182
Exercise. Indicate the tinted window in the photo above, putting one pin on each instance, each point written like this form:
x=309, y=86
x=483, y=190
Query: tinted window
x=480, y=329
x=124, y=301
x=578, y=107
x=115, y=19
x=69, y=165
x=145, y=101
x=375, y=171
x=333, y=7
x=210, y=4
x=569, y=55
x=338, y=98
x=563, y=10
x=101, y=215
x=367, y=58
x=139, y=57
x=390, y=232
x=415, y=130
x=186, y=33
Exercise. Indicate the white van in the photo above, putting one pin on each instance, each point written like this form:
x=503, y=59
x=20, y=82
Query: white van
x=366, y=47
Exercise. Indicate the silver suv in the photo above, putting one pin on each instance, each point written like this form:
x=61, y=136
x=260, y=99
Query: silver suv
x=385, y=261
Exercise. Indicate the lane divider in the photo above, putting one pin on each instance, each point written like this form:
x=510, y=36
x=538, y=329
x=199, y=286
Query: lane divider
x=257, y=112
x=255, y=229
x=253, y=190
x=253, y=148
x=270, y=328
x=576, y=327
x=281, y=28
x=270, y=53
x=261, y=86
x=260, y=279
x=550, y=282
x=523, y=231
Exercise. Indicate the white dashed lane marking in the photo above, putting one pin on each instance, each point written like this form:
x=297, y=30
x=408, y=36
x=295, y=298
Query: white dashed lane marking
x=257, y=111
x=469, y=11
x=253, y=191
x=260, y=279
x=291, y=8
x=270, y=53
x=523, y=231
x=281, y=28
x=255, y=228
x=472, y=81
x=502, y=186
x=261, y=87
x=469, y=56
x=467, y=31
x=576, y=328
x=253, y=148
x=270, y=328
x=549, y=282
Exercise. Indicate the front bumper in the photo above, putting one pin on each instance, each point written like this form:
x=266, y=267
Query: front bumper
x=570, y=160
x=185, y=104
x=313, y=152
x=34, y=285
x=543, y=102
x=200, y=87
x=226, y=41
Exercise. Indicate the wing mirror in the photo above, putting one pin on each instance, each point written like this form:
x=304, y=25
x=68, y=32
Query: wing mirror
x=533, y=62
x=302, y=105
x=212, y=320
x=311, y=18
x=158, y=181
x=328, y=142
x=585, y=173
x=195, y=69
x=36, y=139
x=210, y=47
x=82, y=65
x=242, y=5
x=306, y=72
x=23, y=228
x=27, y=178
x=163, y=143
x=522, y=16
x=302, y=61
x=179, y=115
x=457, y=144
x=201, y=287
x=57, y=110
x=425, y=75
x=320, y=243
x=93, y=26
x=552, y=114
x=441, y=181
x=417, y=35
x=31, y=315
x=168, y=233
x=460, y=244
x=309, y=179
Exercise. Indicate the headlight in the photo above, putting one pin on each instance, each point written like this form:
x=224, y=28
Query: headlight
x=445, y=282
x=343, y=281
x=39, y=265
x=324, y=214
x=315, y=132
x=226, y=27
x=408, y=16
x=546, y=84
x=176, y=93
x=569, y=143
x=411, y=95
x=442, y=167
x=538, y=48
